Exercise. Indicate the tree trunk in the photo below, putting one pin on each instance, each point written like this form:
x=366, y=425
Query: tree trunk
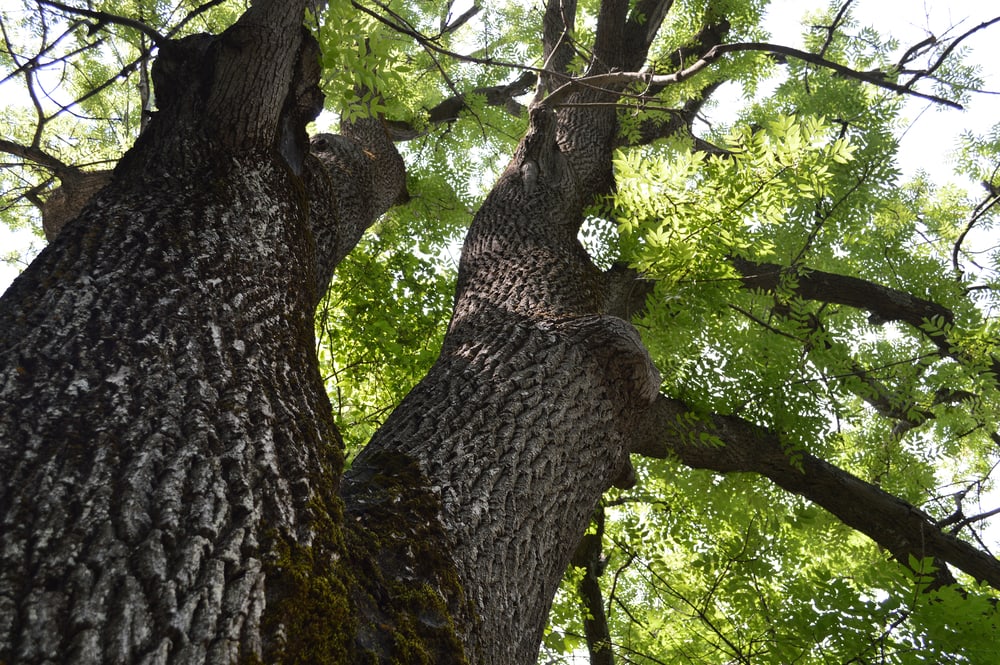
x=528, y=415
x=170, y=461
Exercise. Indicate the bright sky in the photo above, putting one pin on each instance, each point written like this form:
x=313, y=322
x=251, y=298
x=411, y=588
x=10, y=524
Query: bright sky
x=934, y=130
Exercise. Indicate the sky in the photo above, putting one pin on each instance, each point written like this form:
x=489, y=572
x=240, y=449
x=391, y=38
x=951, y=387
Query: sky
x=935, y=129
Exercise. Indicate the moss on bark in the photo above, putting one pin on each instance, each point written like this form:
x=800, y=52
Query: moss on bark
x=376, y=585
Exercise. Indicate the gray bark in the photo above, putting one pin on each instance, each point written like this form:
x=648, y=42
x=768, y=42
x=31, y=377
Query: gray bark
x=171, y=488
x=173, y=467
x=164, y=433
x=527, y=416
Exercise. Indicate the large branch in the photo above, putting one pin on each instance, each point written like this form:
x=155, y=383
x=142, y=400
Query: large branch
x=105, y=17
x=558, y=24
x=641, y=28
x=898, y=526
x=38, y=156
x=884, y=303
x=497, y=95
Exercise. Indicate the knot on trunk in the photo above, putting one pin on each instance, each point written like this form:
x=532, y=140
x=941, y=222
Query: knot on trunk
x=66, y=201
x=538, y=158
x=182, y=67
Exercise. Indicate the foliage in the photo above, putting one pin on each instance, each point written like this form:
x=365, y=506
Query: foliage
x=701, y=568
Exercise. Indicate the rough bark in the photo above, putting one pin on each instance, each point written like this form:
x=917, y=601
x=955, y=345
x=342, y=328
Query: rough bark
x=168, y=451
x=526, y=417
x=171, y=488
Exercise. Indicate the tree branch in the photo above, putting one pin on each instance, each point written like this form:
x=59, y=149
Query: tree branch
x=558, y=23
x=105, y=17
x=832, y=28
x=884, y=303
x=38, y=156
x=948, y=51
x=450, y=108
x=193, y=14
x=671, y=429
x=641, y=28
x=617, y=79
x=992, y=199
x=595, y=621
x=461, y=20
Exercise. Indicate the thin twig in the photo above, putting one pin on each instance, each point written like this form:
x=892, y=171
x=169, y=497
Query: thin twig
x=951, y=47
x=194, y=14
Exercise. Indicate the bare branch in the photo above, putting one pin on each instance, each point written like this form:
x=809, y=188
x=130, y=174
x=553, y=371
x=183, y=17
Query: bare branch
x=34, y=62
x=450, y=108
x=948, y=51
x=193, y=15
x=992, y=199
x=454, y=25
x=614, y=80
x=915, y=50
x=398, y=24
x=105, y=17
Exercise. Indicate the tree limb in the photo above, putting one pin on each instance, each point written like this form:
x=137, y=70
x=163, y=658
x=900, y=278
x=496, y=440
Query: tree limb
x=595, y=620
x=613, y=79
x=641, y=28
x=38, y=156
x=105, y=17
x=992, y=199
x=450, y=108
x=558, y=23
x=832, y=28
x=671, y=429
x=884, y=303
x=951, y=47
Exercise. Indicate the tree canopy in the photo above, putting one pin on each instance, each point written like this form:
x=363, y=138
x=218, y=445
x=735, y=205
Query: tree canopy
x=828, y=423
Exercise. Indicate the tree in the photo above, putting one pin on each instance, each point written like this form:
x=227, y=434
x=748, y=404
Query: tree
x=175, y=486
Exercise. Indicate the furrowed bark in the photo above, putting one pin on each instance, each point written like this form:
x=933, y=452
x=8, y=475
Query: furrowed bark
x=525, y=418
x=170, y=461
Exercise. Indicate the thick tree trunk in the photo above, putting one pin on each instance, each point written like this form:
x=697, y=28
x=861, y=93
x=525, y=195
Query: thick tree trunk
x=171, y=475
x=527, y=416
x=523, y=422
x=169, y=458
x=153, y=426
x=171, y=468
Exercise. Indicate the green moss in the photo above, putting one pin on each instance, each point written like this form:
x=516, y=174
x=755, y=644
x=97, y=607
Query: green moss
x=375, y=586
x=413, y=599
x=309, y=617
